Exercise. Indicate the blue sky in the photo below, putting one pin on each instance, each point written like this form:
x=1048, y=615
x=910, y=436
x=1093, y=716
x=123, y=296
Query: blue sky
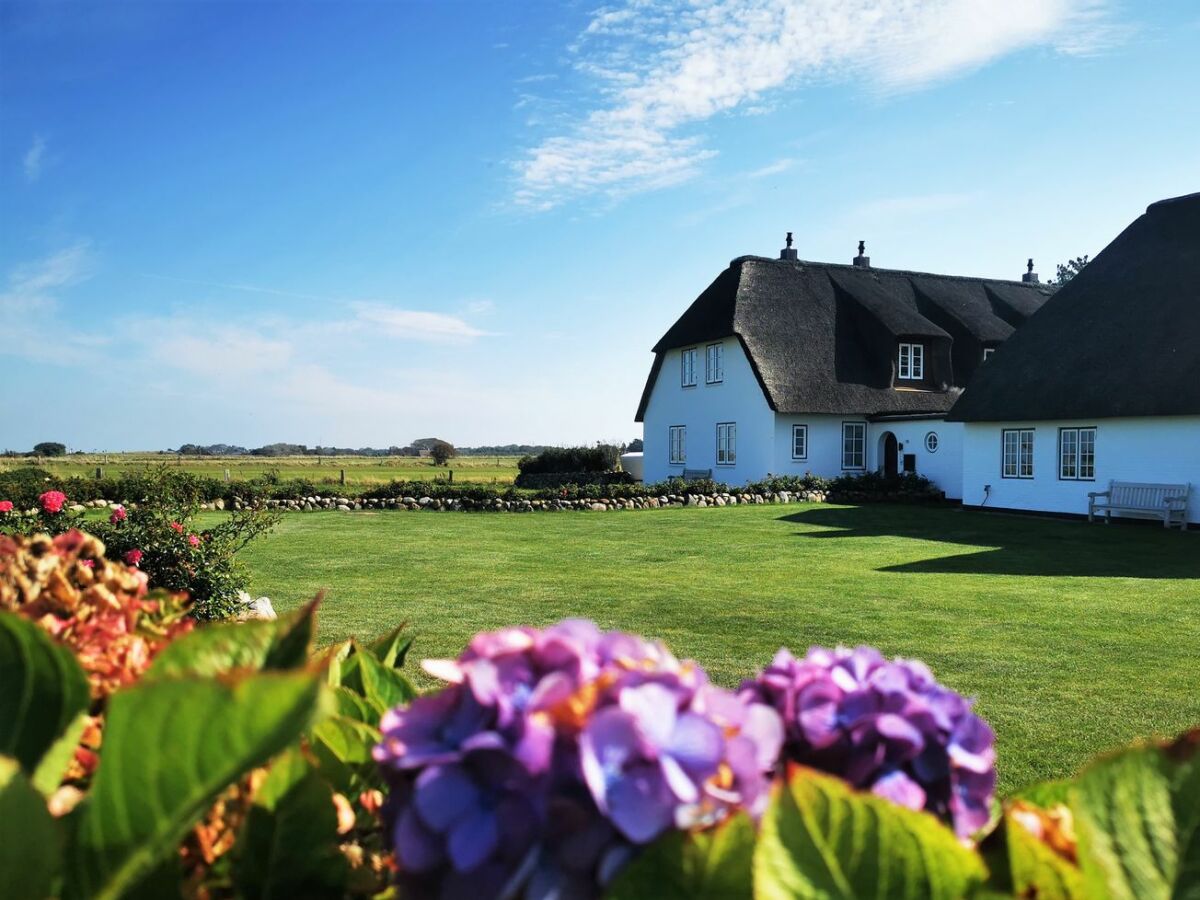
x=358, y=224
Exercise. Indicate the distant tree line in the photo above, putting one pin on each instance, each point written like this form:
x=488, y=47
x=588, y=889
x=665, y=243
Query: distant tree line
x=419, y=447
x=436, y=447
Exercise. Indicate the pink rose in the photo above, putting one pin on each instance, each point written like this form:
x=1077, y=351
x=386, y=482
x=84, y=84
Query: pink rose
x=52, y=501
x=133, y=557
x=6, y=506
x=175, y=526
x=118, y=515
x=193, y=540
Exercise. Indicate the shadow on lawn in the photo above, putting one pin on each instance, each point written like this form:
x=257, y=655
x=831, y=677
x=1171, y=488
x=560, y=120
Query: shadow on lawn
x=1014, y=544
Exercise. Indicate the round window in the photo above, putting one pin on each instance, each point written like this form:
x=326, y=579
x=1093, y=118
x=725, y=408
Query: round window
x=931, y=442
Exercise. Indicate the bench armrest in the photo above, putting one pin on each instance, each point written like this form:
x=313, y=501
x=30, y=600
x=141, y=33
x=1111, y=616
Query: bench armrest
x=1174, y=499
x=1092, y=495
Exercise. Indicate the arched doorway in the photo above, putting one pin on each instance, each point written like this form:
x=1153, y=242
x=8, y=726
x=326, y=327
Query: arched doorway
x=889, y=451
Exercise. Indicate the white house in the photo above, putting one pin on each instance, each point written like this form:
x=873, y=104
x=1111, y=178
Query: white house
x=783, y=366
x=1102, y=384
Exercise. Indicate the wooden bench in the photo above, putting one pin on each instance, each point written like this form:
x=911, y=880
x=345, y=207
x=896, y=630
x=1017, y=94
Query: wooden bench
x=1146, y=501
x=697, y=474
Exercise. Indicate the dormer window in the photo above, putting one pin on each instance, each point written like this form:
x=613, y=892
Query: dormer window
x=687, y=367
x=911, y=366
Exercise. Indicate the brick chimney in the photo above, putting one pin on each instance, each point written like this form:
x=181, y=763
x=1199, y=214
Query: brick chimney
x=788, y=252
x=1030, y=276
x=862, y=260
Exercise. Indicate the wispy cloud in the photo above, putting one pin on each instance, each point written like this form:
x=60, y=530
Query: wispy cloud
x=908, y=207
x=416, y=325
x=29, y=305
x=776, y=168
x=666, y=66
x=31, y=162
x=224, y=352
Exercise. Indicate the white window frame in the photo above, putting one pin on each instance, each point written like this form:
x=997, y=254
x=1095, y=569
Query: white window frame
x=726, y=443
x=1074, y=463
x=677, y=445
x=687, y=367
x=800, y=439
x=1016, y=453
x=714, y=364
x=987, y=352
x=911, y=365
x=849, y=454
x=932, y=438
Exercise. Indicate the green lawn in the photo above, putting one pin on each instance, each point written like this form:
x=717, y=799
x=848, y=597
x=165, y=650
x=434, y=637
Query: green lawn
x=1074, y=638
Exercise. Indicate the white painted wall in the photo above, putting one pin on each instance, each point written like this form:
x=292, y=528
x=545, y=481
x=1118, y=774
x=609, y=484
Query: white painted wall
x=943, y=467
x=738, y=398
x=1163, y=450
x=824, y=445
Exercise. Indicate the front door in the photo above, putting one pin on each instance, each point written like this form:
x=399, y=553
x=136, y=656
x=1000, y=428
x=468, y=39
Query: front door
x=890, y=450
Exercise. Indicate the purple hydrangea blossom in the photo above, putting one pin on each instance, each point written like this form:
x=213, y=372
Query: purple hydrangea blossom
x=552, y=755
x=888, y=727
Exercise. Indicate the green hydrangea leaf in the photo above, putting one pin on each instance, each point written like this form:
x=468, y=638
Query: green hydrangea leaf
x=54, y=762
x=383, y=687
x=44, y=689
x=231, y=646
x=707, y=865
x=822, y=839
x=289, y=844
x=30, y=850
x=1137, y=813
x=170, y=747
x=1023, y=865
x=392, y=648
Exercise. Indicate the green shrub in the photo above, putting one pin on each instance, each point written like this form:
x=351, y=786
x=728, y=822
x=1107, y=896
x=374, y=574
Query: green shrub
x=601, y=458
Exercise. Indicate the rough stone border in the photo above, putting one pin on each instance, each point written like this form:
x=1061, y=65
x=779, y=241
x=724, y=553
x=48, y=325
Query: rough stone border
x=318, y=503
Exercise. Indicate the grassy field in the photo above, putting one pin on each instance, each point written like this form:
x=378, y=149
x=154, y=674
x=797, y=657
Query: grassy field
x=1073, y=638
x=360, y=470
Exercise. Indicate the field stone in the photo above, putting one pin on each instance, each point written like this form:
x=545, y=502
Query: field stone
x=255, y=610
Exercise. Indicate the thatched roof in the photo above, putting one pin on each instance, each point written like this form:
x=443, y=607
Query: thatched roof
x=1122, y=338
x=822, y=337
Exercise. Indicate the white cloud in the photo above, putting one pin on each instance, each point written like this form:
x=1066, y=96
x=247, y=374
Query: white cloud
x=34, y=156
x=224, y=352
x=776, y=168
x=29, y=323
x=665, y=65
x=416, y=325
x=909, y=207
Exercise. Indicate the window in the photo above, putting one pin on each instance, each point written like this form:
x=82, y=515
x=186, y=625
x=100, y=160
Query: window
x=1077, y=454
x=912, y=362
x=854, y=445
x=726, y=444
x=799, y=442
x=931, y=442
x=988, y=351
x=714, y=370
x=677, y=438
x=1017, y=452
x=687, y=367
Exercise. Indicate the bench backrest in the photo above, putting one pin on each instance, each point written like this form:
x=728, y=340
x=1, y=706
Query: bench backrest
x=697, y=474
x=1136, y=495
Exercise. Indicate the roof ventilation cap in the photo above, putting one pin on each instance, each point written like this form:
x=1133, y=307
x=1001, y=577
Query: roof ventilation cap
x=862, y=260
x=788, y=252
x=1030, y=276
